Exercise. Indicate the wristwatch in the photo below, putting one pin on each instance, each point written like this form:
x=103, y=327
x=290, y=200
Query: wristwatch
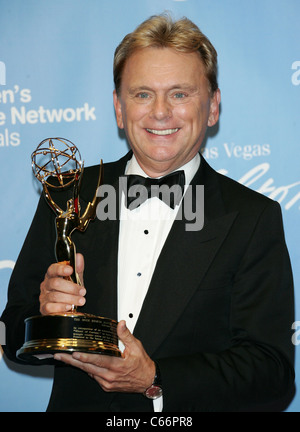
x=155, y=390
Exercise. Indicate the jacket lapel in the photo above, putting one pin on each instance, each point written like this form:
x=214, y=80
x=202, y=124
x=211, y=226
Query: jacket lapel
x=188, y=254
x=102, y=239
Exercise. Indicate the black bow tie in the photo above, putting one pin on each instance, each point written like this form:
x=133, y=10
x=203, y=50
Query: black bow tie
x=168, y=188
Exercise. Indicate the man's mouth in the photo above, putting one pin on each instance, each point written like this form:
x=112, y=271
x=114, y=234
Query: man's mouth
x=162, y=132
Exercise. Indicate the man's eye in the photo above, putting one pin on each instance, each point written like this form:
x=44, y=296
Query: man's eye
x=179, y=95
x=142, y=95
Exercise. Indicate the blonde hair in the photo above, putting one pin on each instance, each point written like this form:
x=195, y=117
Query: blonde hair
x=160, y=31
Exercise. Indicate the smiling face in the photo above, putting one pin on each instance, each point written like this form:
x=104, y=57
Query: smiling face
x=165, y=106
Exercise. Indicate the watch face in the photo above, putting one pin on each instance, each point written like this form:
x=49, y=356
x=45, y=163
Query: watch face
x=153, y=392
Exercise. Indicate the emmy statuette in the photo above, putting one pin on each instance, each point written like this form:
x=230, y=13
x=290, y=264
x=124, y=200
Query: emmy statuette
x=57, y=164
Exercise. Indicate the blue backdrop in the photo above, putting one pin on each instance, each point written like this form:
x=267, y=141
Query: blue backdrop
x=56, y=80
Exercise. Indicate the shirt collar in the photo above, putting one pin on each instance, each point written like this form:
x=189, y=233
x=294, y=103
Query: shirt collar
x=189, y=168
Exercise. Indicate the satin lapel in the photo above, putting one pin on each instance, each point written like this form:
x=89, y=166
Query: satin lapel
x=182, y=264
x=101, y=240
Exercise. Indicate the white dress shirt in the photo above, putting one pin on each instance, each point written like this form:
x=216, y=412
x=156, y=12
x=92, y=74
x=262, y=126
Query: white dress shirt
x=143, y=232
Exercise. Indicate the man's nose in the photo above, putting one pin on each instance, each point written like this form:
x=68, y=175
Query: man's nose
x=161, y=108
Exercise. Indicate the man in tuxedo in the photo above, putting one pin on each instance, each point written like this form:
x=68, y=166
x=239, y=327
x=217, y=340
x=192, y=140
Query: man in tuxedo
x=204, y=314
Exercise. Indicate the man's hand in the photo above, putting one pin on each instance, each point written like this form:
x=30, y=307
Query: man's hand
x=59, y=294
x=132, y=373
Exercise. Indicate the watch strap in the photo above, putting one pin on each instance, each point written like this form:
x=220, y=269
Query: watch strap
x=157, y=378
x=155, y=390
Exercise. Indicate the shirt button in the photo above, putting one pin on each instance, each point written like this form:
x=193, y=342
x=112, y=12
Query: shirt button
x=130, y=315
x=139, y=274
x=146, y=232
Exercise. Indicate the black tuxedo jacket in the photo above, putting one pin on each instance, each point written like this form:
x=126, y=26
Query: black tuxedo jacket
x=218, y=313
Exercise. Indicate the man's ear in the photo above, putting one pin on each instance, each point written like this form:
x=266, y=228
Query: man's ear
x=118, y=110
x=214, y=108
